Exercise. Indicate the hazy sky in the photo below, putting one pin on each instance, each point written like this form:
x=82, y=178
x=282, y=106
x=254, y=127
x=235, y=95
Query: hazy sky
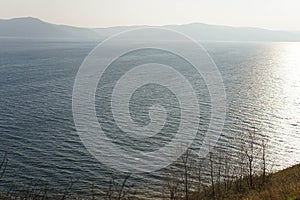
x=271, y=14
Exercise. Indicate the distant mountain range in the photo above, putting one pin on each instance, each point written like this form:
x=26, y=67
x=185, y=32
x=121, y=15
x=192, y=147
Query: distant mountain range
x=35, y=28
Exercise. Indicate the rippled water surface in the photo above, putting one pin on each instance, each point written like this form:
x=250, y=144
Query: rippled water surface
x=262, y=82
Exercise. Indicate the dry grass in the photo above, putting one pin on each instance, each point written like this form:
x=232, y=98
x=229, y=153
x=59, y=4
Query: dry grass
x=282, y=185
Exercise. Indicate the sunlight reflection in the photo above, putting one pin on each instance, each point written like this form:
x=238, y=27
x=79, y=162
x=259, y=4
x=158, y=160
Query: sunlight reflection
x=288, y=69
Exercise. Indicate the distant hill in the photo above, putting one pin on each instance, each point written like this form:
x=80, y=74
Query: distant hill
x=227, y=33
x=34, y=28
x=206, y=32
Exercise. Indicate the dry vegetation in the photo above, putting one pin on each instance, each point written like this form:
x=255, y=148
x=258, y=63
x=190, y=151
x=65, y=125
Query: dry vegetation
x=283, y=185
x=242, y=174
x=224, y=174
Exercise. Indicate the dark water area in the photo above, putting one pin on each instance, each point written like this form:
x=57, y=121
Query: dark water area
x=262, y=82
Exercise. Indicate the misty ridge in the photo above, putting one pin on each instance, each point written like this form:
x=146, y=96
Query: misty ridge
x=29, y=27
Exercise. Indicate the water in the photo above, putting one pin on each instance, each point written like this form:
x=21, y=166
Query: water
x=262, y=82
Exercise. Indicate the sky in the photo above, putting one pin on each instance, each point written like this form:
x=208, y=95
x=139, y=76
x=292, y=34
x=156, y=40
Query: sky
x=270, y=14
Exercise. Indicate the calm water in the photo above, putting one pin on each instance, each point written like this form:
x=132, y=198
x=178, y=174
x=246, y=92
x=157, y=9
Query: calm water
x=262, y=83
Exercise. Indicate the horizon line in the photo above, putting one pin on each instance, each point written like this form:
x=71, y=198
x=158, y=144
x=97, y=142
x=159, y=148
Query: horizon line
x=143, y=25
